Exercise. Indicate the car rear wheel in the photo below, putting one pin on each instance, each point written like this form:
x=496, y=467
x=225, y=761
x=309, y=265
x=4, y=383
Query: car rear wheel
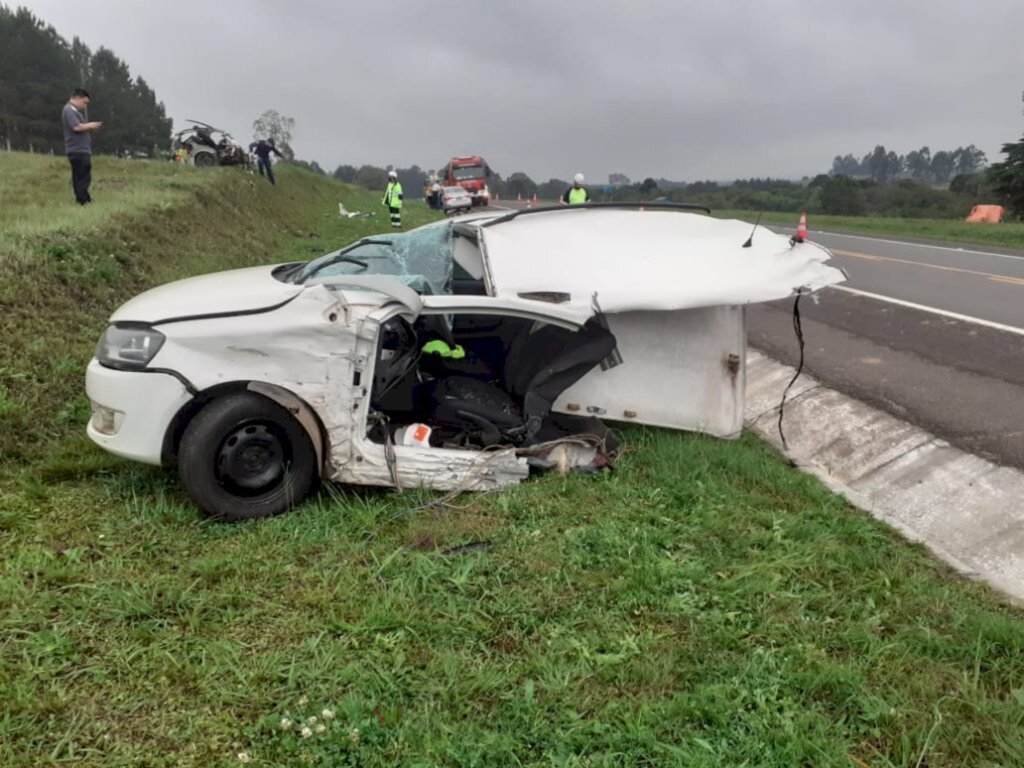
x=204, y=159
x=244, y=456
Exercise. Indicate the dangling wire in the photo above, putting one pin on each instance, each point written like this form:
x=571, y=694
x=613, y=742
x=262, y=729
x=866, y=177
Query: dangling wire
x=799, y=331
x=389, y=451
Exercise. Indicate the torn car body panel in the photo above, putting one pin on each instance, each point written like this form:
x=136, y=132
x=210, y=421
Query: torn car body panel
x=636, y=260
x=683, y=369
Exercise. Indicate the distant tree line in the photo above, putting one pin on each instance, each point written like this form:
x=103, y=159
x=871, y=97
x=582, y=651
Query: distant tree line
x=883, y=183
x=414, y=179
x=1007, y=178
x=39, y=70
x=887, y=167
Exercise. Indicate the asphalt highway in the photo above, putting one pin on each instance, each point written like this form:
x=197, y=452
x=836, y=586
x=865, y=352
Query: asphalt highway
x=931, y=333
x=978, y=283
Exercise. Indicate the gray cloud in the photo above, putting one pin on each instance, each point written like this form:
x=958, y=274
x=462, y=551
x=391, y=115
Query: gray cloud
x=679, y=89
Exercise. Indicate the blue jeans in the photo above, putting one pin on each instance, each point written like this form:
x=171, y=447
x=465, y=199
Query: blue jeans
x=264, y=162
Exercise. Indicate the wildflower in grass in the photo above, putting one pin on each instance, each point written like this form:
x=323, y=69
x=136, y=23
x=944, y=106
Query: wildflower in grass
x=311, y=720
x=305, y=732
x=353, y=736
x=286, y=724
x=244, y=757
x=303, y=701
x=327, y=714
x=321, y=728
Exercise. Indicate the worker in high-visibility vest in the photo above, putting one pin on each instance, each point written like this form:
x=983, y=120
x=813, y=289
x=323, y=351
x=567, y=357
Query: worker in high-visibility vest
x=576, y=194
x=393, y=199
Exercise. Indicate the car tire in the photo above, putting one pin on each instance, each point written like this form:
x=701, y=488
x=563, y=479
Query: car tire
x=244, y=456
x=204, y=159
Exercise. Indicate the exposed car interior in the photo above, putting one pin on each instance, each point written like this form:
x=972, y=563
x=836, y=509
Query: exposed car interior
x=491, y=380
x=477, y=380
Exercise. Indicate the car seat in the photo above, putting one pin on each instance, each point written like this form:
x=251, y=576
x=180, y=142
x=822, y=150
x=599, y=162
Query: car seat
x=542, y=362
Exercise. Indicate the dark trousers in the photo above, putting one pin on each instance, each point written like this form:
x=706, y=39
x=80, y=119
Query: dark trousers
x=264, y=162
x=81, y=176
x=396, y=216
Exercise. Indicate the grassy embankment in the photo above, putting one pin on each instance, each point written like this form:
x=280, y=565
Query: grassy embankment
x=703, y=605
x=1005, y=235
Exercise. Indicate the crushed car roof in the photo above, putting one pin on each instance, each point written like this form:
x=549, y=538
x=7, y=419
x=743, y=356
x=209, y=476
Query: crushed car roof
x=646, y=259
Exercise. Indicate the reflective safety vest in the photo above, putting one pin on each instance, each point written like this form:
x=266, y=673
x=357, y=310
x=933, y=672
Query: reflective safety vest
x=393, y=195
x=438, y=347
x=578, y=195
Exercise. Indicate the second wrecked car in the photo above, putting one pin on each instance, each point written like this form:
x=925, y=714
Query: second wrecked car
x=497, y=332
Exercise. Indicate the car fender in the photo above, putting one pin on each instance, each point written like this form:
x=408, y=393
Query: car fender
x=298, y=408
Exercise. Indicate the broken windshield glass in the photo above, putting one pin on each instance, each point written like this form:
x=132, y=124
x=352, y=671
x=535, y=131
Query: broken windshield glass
x=421, y=259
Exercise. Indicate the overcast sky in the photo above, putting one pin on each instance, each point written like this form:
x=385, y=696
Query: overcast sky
x=665, y=88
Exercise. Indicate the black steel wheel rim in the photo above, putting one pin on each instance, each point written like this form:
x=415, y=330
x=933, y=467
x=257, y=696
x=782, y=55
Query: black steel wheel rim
x=252, y=459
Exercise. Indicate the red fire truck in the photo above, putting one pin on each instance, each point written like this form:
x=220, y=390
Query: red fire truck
x=470, y=173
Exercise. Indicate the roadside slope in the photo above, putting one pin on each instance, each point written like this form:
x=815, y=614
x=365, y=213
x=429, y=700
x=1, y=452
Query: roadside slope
x=63, y=268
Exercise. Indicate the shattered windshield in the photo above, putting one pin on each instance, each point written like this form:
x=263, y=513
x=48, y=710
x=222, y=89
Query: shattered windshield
x=421, y=259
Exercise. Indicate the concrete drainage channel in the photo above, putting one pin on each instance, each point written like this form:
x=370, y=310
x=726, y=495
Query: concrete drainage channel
x=966, y=510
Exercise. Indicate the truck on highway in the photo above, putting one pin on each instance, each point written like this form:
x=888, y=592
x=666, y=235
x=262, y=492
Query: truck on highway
x=470, y=173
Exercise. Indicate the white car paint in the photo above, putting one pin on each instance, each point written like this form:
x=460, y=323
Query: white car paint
x=248, y=290
x=644, y=260
x=672, y=285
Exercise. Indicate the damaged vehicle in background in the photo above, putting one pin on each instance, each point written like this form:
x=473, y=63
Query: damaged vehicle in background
x=450, y=357
x=204, y=146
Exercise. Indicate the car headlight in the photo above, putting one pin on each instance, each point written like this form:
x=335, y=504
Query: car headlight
x=128, y=347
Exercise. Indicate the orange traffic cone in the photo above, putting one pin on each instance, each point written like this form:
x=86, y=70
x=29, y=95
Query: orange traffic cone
x=801, y=228
x=497, y=197
x=534, y=198
x=519, y=197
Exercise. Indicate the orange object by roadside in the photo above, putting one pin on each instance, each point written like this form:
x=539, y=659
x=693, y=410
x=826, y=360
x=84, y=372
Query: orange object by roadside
x=986, y=214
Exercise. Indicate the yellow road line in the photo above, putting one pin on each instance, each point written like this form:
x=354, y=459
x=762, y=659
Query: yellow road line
x=1011, y=280
x=872, y=257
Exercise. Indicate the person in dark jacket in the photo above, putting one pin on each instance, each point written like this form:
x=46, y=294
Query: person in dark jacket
x=78, y=143
x=262, y=149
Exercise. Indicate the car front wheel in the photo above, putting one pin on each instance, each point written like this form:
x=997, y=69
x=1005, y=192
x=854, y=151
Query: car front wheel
x=244, y=456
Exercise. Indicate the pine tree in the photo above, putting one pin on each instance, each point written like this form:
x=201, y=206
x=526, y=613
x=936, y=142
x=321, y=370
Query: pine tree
x=1007, y=178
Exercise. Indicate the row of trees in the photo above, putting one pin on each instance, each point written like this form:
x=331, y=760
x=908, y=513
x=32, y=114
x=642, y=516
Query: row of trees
x=39, y=70
x=414, y=178
x=517, y=184
x=1007, y=178
x=887, y=167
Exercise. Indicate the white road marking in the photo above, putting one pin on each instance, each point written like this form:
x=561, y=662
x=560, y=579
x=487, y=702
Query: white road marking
x=929, y=265
x=933, y=310
x=903, y=242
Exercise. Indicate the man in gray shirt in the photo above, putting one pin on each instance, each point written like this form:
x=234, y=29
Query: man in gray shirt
x=78, y=143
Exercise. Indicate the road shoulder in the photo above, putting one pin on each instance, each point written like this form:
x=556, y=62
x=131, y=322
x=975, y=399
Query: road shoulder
x=964, y=508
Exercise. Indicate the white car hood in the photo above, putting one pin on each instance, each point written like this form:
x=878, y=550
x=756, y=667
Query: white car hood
x=220, y=293
x=653, y=260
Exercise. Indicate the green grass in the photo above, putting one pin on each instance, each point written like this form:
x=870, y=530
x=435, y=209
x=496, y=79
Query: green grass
x=65, y=268
x=1005, y=235
x=703, y=605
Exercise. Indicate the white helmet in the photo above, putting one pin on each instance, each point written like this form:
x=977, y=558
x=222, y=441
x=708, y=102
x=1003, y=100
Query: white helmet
x=392, y=174
x=578, y=178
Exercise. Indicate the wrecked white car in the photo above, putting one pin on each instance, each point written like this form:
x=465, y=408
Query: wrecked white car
x=487, y=336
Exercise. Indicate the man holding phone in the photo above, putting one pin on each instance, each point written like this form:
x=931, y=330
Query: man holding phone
x=78, y=143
